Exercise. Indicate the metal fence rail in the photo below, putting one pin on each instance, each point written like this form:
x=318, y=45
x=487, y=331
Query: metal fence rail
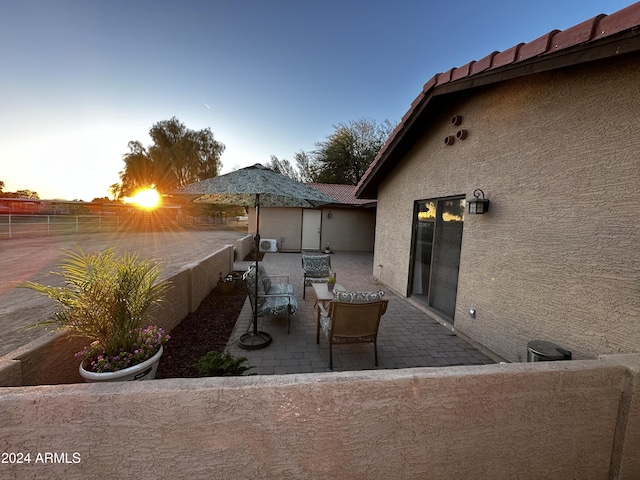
x=12, y=225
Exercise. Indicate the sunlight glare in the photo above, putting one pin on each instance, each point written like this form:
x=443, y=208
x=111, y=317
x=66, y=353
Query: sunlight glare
x=148, y=198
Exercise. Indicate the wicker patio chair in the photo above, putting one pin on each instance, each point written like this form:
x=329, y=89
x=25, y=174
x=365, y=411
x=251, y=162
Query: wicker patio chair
x=346, y=322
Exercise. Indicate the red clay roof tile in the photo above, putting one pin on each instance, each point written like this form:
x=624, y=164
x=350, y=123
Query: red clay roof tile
x=482, y=64
x=462, y=71
x=345, y=194
x=618, y=21
x=536, y=47
x=443, y=78
x=429, y=85
x=508, y=56
x=575, y=35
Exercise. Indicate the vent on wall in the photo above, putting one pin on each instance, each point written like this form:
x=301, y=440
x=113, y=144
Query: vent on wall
x=268, y=245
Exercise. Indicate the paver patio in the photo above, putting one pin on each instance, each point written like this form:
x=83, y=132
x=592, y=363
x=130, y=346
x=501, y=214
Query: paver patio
x=407, y=337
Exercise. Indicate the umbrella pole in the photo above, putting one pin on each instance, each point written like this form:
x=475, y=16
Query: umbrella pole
x=255, y=340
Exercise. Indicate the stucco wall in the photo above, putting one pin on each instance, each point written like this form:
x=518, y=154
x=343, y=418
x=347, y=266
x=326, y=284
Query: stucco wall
x=496, y=421
x=348, y=229
x=282, y=224
x=556, y=257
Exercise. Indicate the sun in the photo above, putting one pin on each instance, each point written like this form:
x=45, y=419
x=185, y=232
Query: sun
x=147, y=198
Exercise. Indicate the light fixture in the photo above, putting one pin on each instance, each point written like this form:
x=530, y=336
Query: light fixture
x=479, y=205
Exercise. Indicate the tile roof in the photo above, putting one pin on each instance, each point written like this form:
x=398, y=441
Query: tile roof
x=499, y=66
x=344, y=194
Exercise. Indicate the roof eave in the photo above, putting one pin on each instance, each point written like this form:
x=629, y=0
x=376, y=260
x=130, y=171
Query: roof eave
x=424, y=107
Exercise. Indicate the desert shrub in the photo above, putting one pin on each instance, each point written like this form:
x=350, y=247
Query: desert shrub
x=215, y=364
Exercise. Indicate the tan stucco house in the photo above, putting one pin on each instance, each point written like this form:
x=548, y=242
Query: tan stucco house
x=549, y=132
x=346, y=225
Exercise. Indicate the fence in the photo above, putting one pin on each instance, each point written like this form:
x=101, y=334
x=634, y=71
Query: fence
x=12, y=225
x=15, y=225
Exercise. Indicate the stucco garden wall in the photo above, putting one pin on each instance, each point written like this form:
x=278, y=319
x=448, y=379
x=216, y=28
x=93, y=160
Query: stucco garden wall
x=556, y=257
x=571, y=419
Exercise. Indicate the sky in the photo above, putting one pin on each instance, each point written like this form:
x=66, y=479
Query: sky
x=81, y=79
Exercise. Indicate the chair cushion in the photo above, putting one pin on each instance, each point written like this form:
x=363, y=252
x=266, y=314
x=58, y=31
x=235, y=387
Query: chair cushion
x=250, y=278
x=278, y=306
x=264, y=278
x=281, y=288
x=357, y=297
x=316, y=266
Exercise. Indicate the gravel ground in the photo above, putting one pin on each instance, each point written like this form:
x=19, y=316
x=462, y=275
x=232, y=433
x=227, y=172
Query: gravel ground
x=207, y=329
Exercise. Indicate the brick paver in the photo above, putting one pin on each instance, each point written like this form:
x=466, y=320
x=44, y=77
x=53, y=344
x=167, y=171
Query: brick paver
x=407, y=337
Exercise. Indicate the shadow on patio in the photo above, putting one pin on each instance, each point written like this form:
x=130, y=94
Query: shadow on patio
x=407, y=337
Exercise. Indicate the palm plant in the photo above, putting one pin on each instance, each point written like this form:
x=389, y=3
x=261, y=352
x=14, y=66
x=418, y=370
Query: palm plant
x=105, y=298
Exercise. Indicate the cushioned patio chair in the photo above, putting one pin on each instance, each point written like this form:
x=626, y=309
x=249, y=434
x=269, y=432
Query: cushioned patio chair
x=353, y=317
x=274, y=299
x=316, y=269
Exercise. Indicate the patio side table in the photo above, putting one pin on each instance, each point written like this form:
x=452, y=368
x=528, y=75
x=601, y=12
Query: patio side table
x=323, y=297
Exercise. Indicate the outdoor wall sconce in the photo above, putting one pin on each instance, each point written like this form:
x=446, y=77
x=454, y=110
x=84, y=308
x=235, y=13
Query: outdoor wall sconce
x=329, y=215
x=479, y=205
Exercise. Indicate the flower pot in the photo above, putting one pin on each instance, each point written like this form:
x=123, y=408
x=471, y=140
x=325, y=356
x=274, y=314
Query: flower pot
x=225, y=287
x=330, y=286
x=142, y=371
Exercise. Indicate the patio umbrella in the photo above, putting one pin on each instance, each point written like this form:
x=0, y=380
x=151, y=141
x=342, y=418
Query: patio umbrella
x=255, y=186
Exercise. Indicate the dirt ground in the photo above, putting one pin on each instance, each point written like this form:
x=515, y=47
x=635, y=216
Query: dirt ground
x=34, y=258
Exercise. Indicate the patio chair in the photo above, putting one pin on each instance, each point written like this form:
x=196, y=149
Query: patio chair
x=274, y=299
x=316, y=269
x=355, y=320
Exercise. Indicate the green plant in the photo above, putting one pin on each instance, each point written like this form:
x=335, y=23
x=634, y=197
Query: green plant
x=215, y=364
x=107, y=300
x=331, y=279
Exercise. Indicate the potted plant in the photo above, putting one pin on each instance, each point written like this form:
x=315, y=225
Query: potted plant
x=327, y=249
x=331, y=282
x=226, y=284
x=108, y=299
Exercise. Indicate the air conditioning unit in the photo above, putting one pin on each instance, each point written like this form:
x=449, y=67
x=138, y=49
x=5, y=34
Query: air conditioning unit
x=268, y=245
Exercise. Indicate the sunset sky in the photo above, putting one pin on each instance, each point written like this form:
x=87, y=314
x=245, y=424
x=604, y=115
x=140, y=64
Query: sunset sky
x=80, y=79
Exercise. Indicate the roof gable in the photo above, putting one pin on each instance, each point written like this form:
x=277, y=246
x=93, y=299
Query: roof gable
x=602, y=36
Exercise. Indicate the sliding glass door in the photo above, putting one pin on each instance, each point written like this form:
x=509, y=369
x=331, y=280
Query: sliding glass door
x=437, y=241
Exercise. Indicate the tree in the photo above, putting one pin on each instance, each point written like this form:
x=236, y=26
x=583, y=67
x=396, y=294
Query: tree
x=306, y=169
x=347, y=153
x=178, y=156
x=18, y=194
x=284, y=167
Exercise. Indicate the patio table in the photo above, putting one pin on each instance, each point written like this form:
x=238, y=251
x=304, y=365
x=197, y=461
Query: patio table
x=324, y=296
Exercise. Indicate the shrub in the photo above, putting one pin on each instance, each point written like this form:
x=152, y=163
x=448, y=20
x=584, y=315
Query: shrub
x=215, y=364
